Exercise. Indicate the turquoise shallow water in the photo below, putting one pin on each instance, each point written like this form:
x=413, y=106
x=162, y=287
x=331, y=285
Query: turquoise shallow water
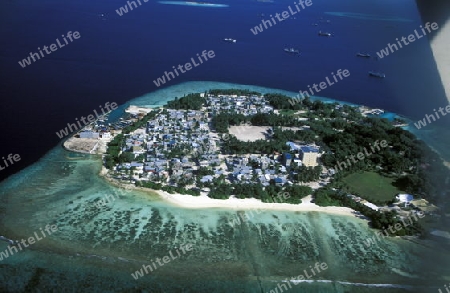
x=97, y=249
x=160, y=97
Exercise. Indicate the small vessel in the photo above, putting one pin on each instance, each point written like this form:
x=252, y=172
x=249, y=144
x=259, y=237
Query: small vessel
x=10, y=241
x=291, y=51
x=324, y=34
x=359, y=54
x=377, y=74
x=202, y=3
x=229, y=40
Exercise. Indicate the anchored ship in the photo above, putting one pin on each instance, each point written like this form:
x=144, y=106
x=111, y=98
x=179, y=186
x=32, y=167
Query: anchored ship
x=377, y=74
x=359, y=54
x=291, y=51
x=324, y=34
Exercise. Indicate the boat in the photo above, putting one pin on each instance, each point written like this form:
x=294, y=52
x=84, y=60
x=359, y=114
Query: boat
x=201, y=3
x=377, y=74
x=324, y=34
x=10, y=241
x=229, y=40
x=359, y=54
x=291, y=51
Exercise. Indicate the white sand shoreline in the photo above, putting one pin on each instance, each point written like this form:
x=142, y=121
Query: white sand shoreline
x=203, y=201
x=187, y=201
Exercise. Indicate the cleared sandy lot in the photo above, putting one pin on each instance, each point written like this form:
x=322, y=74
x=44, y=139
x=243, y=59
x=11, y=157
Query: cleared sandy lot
x=248, y=133
x=82, y=145
x=86, y=145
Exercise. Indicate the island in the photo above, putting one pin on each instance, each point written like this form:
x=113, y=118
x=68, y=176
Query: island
x=239, y=144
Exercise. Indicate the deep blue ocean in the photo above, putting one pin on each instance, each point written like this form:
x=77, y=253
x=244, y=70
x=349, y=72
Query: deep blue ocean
x=118, y=57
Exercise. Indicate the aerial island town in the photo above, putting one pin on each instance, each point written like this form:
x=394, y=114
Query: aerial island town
x=249, y=145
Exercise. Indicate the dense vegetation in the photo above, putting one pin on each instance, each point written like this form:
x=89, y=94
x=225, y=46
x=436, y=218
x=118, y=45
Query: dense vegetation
x=167, y=188
x=189, y=102
x=410, y=162
x=230, y=92
x=280, y=101
x=271, y=194
x=380, y=220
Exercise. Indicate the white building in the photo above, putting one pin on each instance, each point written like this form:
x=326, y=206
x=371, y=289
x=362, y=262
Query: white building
x=309, y=156
x=106, y=135
x=404, y=198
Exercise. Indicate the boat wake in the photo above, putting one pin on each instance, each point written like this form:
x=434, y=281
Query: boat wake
x=400, y=286
x=193, y=3
x=367, y=16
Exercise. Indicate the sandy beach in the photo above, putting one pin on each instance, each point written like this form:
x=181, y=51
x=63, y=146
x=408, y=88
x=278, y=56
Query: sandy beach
x=203, y=201
x=132, y=109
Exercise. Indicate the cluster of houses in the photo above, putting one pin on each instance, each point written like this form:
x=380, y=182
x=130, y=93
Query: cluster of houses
x=367, y=111
x=241, y=169
x=264, y=168
x=246, y=105
x=176, y=143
